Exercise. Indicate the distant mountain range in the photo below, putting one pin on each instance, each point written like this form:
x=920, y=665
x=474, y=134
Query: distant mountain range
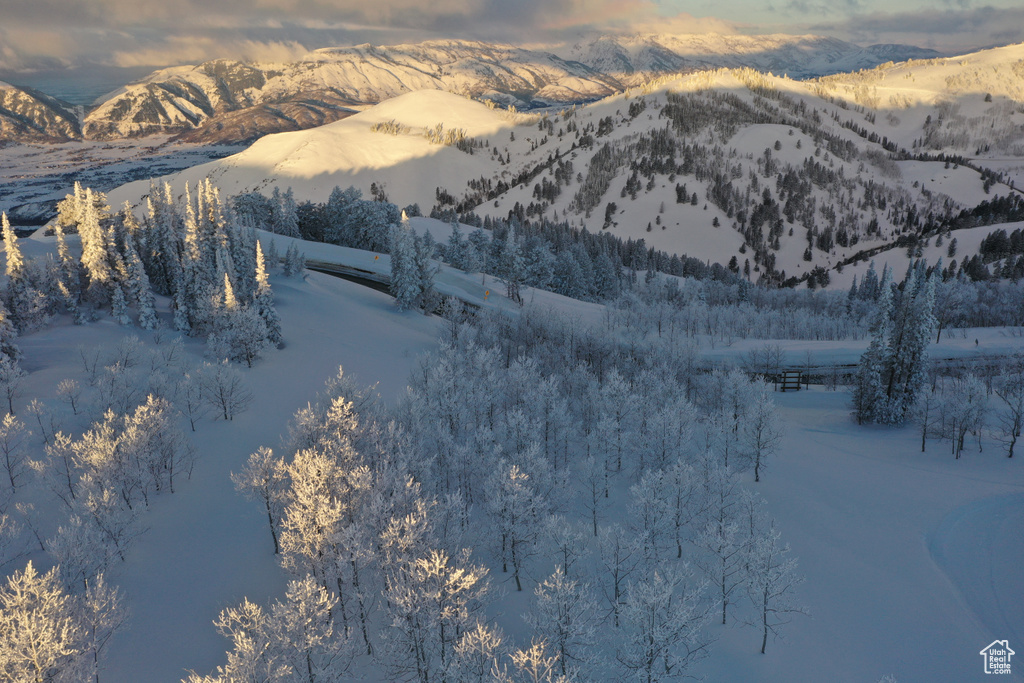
x=229, y=101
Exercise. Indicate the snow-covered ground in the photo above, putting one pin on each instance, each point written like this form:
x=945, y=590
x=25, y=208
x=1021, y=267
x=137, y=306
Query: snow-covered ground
x=912, y=560
x=207, y=547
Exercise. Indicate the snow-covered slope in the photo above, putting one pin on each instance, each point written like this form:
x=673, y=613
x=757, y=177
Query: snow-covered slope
x=635, y=58
x=971, y=104
x=229, y=101
x=29, y=116
x=262, y=98
x=736, y=135
x=348, y=153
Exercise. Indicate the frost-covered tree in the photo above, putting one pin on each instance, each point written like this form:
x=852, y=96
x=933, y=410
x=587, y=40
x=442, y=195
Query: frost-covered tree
x=40, y=637
x=620, y=557
x=13, y=455
x=562, y=615
x=1009, y=387
x=532, y=664
x=892, y=370
x=432, y=600
x=663, y=617
x=761, y=431
x=223, y=389
x=869, y=387
x=8, y=348
x=964, y=408
x=11, y=378
x=722, y=536
x=294, y=261
x=263, y=300
x=770, y=582
x=264, y=478
x=516, y=508
x=511, y=267
x=477, y=652
x=295, y=640
x=101, y=614
x=405, y=285
x=426, y=270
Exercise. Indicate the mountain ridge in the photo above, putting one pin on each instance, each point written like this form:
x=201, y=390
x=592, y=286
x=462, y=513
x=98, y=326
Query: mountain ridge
x=231, y=101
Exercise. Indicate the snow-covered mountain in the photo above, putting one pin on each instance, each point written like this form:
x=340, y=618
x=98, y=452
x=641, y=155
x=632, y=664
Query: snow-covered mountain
x=633, y=59
x=776, y=176
x=230, y=101
x=29, y=115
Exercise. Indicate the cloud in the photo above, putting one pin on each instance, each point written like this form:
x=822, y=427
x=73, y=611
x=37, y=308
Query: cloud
x=197, y=49
x=42, y=34
x=171, y=32
x=950, y=30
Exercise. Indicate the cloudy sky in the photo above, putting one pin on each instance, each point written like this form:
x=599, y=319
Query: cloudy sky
x=46, y=34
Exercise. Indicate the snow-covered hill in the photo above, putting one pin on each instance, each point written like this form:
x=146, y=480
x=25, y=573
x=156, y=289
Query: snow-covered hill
x=241, y=101
x=973, y=104
x=778, y=174
x=30, y=116
x=229, y=101
x=633, y=59
x=348, y=153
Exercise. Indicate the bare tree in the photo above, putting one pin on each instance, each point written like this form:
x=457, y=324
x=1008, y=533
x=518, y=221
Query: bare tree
x=223, y=389
x=11, y=377
x=13, y=456
x=70, y=391
x=1010, y=389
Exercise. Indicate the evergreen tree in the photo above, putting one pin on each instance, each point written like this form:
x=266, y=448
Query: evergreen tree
x=891, y=371
x=8, y=349
x=119, y=306
x=405, y=280
x=15, y=261
x=869, y=390
x=294, y=262
x=263, y=301
x=95, y=250
x=511, y=267
x=914, y=325
x=426, y=269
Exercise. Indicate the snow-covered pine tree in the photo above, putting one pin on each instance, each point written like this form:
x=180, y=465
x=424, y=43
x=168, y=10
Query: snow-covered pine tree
x=455, y=252
x=272, y=255
x=198, y=274
x=908, y=349
x=405, y=279
x=119, y=305
x=68, y=274
x=263, y=300
x=95, y=250
x=139, y=287
x=8, y=349
x=511, y=266
x=426, y=269
x=869, y=387
x=15, y=266
x=17, y=299
x=294, y=262
x=891, y=371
